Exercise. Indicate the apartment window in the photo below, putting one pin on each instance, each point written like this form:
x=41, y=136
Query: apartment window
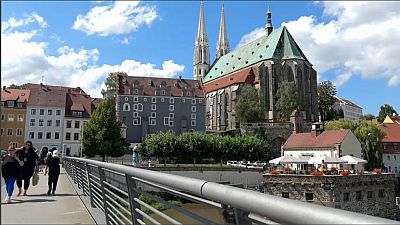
x=135, y=99
x=137, y=121
x=183, y=100
x=31, y=135
x=162, y=99
x=41, y=123
x=68, y=136
x=200, y=101
x=140, y=107
x=388, y=157
x=48, y=135
x=191, y=130
x=18, y=132
x=390, y=168
x=40, y=135
x=9, y=132
x=171, y=107
x=126, y=99
x=2, y=131
x=136, y=91
x=171, y=123
x=193, y=116
x=153, y=115
x=58, y=123
x=153, y=122
x=14, y=144
x=49, y=112
x=346, y=196
x=11, y=117
x=20, y=118
x=309, y=196
x=135, y=106
x=188, y=93
x=394, y=157
x=163, y=92
x=193, y=108
x=358, y=195
x=10, y=104
x=32, y=123
x=153, y=107
x=57, y=135
x=193, y=101
x=171, y=100
x=193, y=123
x=58, y=112
x=381, y=193
x=153, y=100
x=285, y=194
x=41, y=112
x=49, y=123
x=126, y=107
x=145, y=99
x=33, y=111
x=135, y=114
x=19, y=104
x=2, y=117
x=171, y=115
x=166, y=120
x=69, y=123
x=370, y=194
x=76, y=136
x=77, y=124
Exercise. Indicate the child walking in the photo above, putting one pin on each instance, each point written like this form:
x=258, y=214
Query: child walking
x=53, y=166
x=11, y=169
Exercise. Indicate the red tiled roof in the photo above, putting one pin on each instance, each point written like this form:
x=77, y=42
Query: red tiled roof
x=327, y=139
x=79, y=102
x=77, y=107
x=392, y=132
x=395, y=119
x=243, y=76
x=47, y=98
x=347, y=102
x=18, y=95
x=76, y=90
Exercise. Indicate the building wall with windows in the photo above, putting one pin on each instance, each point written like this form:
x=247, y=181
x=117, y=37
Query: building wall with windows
x=73, y=135
x=350, y=110
x=151, y=105
x=13, y=113
x=391, y=147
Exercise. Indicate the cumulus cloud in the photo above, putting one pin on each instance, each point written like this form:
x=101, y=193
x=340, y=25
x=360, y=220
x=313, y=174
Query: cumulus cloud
x=257, y=33
x=358, y=38
x=119, y=17
x=125, y=41
x=25, y=60
x=13, y=23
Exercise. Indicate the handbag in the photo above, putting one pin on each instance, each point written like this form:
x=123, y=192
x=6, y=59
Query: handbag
x=35, y=179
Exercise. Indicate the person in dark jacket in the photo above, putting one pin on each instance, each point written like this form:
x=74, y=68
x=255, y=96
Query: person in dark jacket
x=30, y=159
x=10, y=169
x=53, y=166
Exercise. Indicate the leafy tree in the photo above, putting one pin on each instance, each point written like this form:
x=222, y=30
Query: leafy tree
x=287, y=100
x=367, y=117
x=385, y=110
x=326, y=93
x=15, y=86
x=102, y=134
x=369, y=135
x=334, y=114
x=248, y=107
x=111, y=83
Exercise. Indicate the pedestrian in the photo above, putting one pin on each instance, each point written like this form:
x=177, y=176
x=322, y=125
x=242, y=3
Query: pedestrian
x=11, y=169
x=30, y=159
x=53, y=166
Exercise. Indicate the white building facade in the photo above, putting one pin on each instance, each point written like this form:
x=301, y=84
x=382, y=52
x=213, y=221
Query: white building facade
x=351, y=111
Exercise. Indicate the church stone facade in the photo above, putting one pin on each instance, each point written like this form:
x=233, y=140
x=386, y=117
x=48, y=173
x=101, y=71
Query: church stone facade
x=264, y=63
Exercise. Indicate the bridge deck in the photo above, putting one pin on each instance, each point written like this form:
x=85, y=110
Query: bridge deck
x=38, y=208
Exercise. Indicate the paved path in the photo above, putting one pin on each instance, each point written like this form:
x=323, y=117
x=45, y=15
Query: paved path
x=38, y=208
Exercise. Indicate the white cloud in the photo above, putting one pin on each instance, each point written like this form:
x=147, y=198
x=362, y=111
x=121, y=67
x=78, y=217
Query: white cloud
x=13, y=23
x=258, y=32
x=360, y=38
x=125, y=41
x=119, y=17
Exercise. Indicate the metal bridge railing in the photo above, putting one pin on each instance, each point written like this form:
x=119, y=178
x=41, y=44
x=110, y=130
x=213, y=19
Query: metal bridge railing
x=116, y=190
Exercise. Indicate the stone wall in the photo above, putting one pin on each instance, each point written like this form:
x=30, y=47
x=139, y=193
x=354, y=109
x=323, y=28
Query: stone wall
x=369, y=194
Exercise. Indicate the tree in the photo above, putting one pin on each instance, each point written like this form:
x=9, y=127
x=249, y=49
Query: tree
x=334, y=114
x=249, y=108
x=102, y=134
x=369, y=135
x=385, y=110
x=111, y=83
x=287, y=100
x=326, y=93
x=367, y=117
x=15, y=86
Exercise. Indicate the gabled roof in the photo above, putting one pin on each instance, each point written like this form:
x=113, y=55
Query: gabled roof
x=346, y=102
x=79, y=102
x=278, y=45
x=392, y=132
x=244, y=76
x=47, y=98
x=73, y=90
x=18, y=95
x=327, y=139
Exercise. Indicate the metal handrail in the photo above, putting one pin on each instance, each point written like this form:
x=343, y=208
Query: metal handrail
x=280, y=210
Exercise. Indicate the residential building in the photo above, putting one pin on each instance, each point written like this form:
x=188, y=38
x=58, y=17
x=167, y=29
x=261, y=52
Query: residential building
x=350, y=110
x=392, y=119
x=263, y=63
x=318, y=142
x=147, y=105
x=391, y=147
x=13, y=116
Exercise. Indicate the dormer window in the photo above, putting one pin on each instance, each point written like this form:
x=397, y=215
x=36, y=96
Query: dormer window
x=10, y=104
x=163, y=92
x=136, y=91
x=19, y=104
x=77, y=113
x=188, y=93
x=2, y=104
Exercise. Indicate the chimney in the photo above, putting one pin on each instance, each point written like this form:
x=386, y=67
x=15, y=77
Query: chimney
x=180, y=77
x=317, y=129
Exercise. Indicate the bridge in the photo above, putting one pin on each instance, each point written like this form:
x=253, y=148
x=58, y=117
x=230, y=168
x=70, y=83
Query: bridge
x=93, y=192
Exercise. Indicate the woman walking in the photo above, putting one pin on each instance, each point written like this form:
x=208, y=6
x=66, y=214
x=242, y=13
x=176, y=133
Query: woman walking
x=53, y=166
x=10, y=167
x=30, y=159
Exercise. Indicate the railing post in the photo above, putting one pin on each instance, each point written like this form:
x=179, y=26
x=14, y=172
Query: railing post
x=89, y=185
x=103, y=192
x=131, y=185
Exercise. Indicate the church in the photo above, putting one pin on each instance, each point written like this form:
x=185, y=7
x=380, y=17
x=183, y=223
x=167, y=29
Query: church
x=263, y=63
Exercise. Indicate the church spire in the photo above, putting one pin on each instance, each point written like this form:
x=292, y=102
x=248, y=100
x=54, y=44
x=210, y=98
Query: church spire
x=223, y=43
x=201, y=59
x=269, y=27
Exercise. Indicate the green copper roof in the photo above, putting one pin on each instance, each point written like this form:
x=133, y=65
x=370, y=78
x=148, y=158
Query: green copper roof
x=278, y=45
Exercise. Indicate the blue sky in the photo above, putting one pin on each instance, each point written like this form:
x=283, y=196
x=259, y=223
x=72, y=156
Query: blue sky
x=77, y=43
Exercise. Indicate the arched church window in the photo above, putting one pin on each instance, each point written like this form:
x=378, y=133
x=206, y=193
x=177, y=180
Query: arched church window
x=126, y=107
x=289, y=74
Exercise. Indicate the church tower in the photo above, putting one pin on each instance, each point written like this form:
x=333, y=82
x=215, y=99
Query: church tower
x=223, y=43
x=201, y=60
x=269, y=27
